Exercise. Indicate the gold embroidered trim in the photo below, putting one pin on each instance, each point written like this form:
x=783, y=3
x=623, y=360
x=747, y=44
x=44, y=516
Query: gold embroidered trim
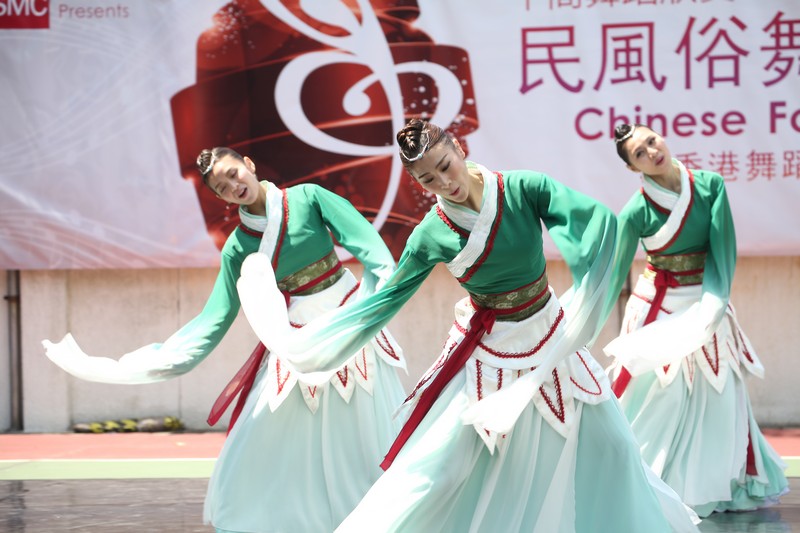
x=515, y=298
x=677, y=265
x=309, y=273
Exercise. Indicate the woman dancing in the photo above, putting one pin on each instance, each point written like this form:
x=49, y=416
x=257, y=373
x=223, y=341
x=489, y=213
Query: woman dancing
x=299, y=457
x=568, y=461
x=688, y=403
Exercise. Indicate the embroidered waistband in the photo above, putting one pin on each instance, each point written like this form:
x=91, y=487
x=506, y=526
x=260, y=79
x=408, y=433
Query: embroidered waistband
x=686, y=269
x=518, y=304
x=313, y=278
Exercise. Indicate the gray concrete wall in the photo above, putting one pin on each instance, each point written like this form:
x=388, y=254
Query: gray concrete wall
x=5, y=358
x=113, y=312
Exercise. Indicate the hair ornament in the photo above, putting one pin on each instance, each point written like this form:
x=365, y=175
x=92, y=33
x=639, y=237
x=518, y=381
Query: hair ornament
x=627, y=135
x=211, y=163
x=424, y=140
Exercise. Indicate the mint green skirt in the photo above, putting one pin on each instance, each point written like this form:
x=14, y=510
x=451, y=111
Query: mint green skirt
x=697, y=441
x=294, y=471
x=445, y=479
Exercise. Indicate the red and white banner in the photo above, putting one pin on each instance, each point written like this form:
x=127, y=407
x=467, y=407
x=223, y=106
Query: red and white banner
x=105, y=105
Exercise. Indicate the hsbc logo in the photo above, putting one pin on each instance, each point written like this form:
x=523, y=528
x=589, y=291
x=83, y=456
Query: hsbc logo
x=24, y=14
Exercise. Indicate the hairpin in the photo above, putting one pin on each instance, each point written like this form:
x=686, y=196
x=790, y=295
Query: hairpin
x=210, y=164
x=630, y=132
x=424, y=139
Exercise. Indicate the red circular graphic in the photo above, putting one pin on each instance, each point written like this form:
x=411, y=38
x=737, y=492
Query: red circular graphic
x=233, y=104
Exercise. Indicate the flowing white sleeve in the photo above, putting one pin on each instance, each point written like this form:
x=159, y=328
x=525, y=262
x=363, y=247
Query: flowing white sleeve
x=176, y=356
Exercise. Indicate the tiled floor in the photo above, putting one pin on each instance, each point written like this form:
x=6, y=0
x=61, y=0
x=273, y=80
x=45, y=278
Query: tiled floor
x=782, y=518
x=176, y=505
x=103, y=506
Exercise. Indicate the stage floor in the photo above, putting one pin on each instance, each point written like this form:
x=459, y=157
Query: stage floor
x=120, y=483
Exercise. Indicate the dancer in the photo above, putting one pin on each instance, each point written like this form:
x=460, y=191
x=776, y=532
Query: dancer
x=300, y=456
x=570, y=462
x=688, y=403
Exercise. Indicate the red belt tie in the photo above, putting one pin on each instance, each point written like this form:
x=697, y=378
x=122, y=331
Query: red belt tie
x=241, y=384
x=664, y=279
x=480, y=323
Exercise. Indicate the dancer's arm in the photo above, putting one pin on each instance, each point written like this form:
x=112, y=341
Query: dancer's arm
x=326, y=343
x=355, y=234
x=585, y=232
x=721, y=257
x=176, y=356
x=629, y=230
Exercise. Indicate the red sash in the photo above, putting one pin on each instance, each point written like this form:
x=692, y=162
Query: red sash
x=480, y=323
x=241, y=384
x=663, y=280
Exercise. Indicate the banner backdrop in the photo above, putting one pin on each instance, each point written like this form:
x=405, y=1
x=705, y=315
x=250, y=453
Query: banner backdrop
x=106, y=104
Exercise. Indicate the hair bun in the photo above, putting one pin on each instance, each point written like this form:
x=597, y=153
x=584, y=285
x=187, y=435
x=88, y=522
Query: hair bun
x=622, y=131
x=203, y=159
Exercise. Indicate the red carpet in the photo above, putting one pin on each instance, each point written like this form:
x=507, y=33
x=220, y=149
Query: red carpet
x=32, y=446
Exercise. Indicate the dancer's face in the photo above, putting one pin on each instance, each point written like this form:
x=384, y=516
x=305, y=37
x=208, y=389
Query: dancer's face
x=443, y=171
x=648, y=153
x=234, y=180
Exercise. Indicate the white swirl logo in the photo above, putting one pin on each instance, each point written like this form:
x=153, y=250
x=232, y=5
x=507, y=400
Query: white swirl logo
x=364, y=45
